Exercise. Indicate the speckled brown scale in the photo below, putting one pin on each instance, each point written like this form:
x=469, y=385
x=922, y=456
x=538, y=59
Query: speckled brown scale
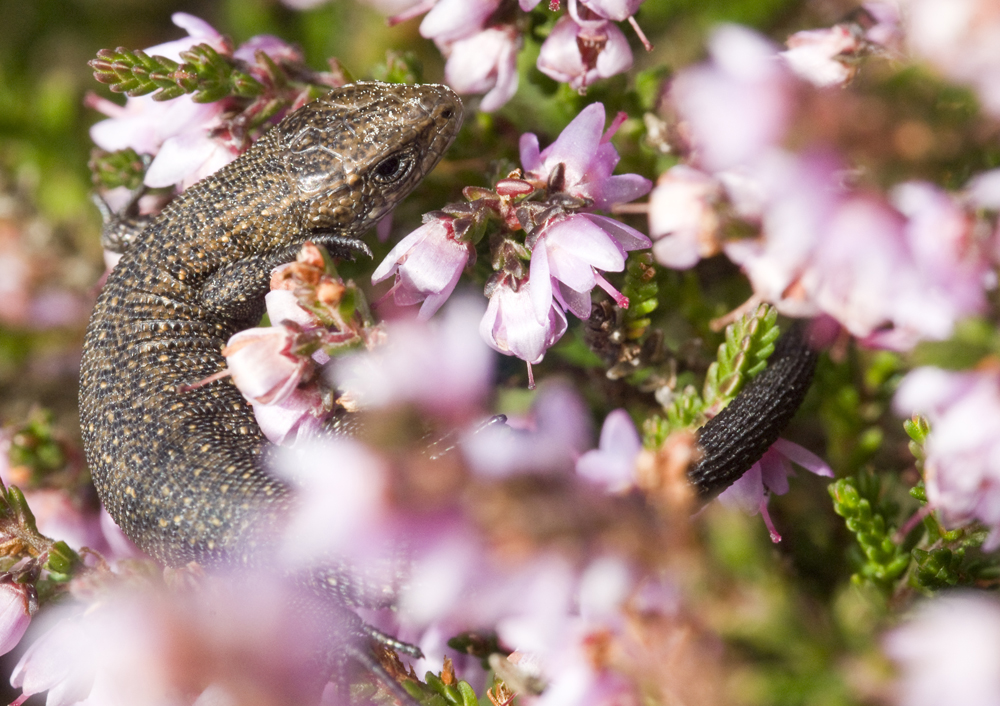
x=182, y=472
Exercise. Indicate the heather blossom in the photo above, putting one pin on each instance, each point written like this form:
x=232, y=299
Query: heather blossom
x=580, y=54
x=427, y=264
x=962, y=468
x=612, y=463
x=769, y=476
x=948, y=651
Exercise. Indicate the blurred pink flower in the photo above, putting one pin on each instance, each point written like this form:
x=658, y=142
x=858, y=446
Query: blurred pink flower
x=263, y=364
x=443, y=366
x=738, y=106
x=486, y=63
x=770, y=476
x=549, y=440
x=682, y=218
x=818, y=55
x=588, y=159
x=14, y=617
x=962, y=469
x=297, y=417
x=948, y=652
x=511, y=325
x=583, y=54
x=427, y=264
x=612, y=463
x=617, y=10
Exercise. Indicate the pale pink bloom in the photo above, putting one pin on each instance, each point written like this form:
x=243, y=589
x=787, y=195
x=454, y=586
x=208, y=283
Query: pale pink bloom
x=682, y=217
x=511, y=326
x=341, y=489
x=14, y=618
x=770, y=476
x=427, y=264
x=296, y=417
x=951, y=269
x=442, y=366
x=562, y=60
x=566, y=259
x=199, y=32
x=818, y=55
x=959, y=38
x=58, y=516
x=549, y=440
x=59, y=662
x=962, y=470
x=585, y=151
x=886, y=31
x=485, y=62
x=283, y=305
x=738, y=106
x=188, y=158
x=263, y=365
x=451, y=20
x=983, y=190
x=948, y=652
x=119, y=546
x=612, y=463
x=276, y=48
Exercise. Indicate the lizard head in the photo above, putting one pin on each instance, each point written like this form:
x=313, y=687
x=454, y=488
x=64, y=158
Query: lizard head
x=356, y=152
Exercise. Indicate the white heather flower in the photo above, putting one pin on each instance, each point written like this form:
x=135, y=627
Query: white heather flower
x=512, y=327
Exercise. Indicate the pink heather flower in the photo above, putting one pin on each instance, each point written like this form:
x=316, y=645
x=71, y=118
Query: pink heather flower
x=567, y=255
x=607, y=52
x=512, y=327
x=962, y=470
x=442, y=366
x=770, y=476
x=297, y=417
x=818, y=55
x=588, y=157
x=612, y=463
x=886, y=31
x=427, y=264
x=959, y=38
x=263, y=365
x=948, y=652
x=58, y=662
x=486, y=63
x=617, y=10
x=682, y=218
x=737, y=107
x=14, y=617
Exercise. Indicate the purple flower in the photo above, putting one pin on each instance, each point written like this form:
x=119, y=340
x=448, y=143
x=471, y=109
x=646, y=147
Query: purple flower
x=588, y=158
x=770, y=476
x=511, y=325
x=569, y=251
x=580, y=54
x=451, y=20
x=427, y=263
x=962, y=469
x=612, y=463
x=948, y=652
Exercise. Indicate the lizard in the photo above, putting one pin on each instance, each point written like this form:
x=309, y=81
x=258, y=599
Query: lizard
x=183, y=471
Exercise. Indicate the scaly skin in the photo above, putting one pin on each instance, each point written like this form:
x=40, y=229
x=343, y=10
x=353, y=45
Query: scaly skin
x=183, y=473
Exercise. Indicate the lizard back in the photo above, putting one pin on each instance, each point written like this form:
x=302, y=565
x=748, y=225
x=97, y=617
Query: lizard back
x=183, y=473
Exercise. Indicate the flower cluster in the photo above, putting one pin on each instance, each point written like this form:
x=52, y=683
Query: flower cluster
x=890, y=269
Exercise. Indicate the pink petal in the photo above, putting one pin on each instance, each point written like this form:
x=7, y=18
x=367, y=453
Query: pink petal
x=579, y=236
x=530, y=159
x=747, y=493
x=179, y=157
x=577, y=143
x=626, y=236
x=802, y=457
x=541, y=282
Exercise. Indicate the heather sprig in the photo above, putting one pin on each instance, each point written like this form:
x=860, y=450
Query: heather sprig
x=205, y=73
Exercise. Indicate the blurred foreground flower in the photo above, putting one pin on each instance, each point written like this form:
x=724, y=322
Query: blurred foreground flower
x=948, y=652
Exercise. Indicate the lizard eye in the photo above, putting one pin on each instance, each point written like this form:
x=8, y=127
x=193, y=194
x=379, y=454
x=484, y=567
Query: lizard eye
x=391, y=169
